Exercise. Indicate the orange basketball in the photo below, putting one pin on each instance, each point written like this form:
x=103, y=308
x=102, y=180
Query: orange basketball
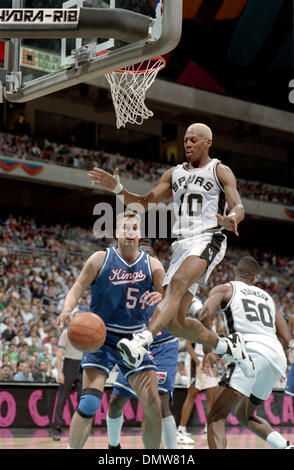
x=86, y=331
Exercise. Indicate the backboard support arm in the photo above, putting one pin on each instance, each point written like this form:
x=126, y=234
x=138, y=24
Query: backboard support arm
x=151, y=46
x=24, y=23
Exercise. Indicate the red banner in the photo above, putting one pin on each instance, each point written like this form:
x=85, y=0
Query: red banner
x=29, y=168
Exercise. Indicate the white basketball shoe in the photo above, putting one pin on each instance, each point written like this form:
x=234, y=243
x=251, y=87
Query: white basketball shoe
x=133, y=351
x=237, y=353
x=184, y=438
x=289, y=446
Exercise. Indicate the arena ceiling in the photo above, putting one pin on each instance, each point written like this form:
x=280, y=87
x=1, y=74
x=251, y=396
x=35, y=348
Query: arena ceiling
x=239, y=48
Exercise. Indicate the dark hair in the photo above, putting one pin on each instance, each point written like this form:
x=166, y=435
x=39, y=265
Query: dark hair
x=248, y=266
x=6, y=364
x=147, y=248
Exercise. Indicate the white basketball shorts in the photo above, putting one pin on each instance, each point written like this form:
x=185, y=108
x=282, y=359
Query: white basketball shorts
x=197, y=378
x=260, y=386
x=209, y=246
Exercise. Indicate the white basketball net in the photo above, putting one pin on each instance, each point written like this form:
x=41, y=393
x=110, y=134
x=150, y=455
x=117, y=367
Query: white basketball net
x=128, y=88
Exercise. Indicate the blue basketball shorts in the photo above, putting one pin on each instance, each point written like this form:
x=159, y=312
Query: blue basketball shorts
x=107, y=357
x=289, y=390
x=165, y=358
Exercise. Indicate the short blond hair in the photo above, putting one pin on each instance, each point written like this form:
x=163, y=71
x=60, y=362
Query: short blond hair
x=202, y=129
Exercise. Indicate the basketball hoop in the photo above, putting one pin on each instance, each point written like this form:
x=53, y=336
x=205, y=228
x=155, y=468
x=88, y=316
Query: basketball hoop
x=128, y=88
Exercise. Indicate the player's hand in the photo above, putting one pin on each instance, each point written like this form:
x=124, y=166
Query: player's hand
x=61, y=320
x=60, y=378
x=105, y=180
x=228, y=222
x=153, y=298
x=208, y=364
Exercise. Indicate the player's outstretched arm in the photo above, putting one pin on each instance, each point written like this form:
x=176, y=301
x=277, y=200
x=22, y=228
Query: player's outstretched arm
x=282, y=330
x=217, y=296
x=237, y=213
x=86, y=277
x=112, y=183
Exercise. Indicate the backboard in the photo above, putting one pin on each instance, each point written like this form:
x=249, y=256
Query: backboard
x=52, y=48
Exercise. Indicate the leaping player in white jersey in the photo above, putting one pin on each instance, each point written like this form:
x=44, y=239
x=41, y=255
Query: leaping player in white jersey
x=200, y=187
x=251, y=311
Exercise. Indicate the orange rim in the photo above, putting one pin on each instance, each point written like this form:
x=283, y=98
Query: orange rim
x=153, y=59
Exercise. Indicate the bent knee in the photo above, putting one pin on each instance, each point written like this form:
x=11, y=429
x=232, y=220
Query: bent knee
x=89, y=402
x=116, y=405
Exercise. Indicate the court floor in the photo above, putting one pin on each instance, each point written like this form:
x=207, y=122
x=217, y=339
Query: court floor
x=238, y=438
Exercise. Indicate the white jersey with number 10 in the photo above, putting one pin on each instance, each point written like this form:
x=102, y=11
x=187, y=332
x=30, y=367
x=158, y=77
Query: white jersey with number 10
x=198, y=197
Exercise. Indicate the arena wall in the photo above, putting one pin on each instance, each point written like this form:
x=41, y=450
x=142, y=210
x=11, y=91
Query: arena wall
x=33, y=406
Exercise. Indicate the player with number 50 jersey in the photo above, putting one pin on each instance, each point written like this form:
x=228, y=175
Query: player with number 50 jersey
x=252, y=312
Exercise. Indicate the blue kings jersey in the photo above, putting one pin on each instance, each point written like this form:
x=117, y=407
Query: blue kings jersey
x=119, y=291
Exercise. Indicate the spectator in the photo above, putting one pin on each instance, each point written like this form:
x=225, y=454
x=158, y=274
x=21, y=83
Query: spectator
x=23, y=353
x=36, y=151
x=43, y=373
x=21, y=340
x=11, y=351
x=24, y=374
x=6, y=373
x=26, y=312
x=9, y=332
x=34, y=367
x=5, y=358
x=34, y=341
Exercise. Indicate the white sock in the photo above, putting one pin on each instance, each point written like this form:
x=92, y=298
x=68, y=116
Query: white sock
x=276, y=440
x=147, y=336
x=182, y=428
x=169, y=433
x=221, y=347
x=68, y=447
x=195, y=306
x=114, y=426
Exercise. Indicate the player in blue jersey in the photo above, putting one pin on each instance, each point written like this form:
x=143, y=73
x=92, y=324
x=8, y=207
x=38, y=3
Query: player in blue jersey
x=164, y=350
x=120, y=280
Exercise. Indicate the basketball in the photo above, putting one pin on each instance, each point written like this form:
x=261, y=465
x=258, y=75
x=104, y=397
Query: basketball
x=86, y=331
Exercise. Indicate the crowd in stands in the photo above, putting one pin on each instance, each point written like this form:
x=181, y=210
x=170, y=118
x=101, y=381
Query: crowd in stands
x=266, y=193
x=24, y=147
x=39, y=264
